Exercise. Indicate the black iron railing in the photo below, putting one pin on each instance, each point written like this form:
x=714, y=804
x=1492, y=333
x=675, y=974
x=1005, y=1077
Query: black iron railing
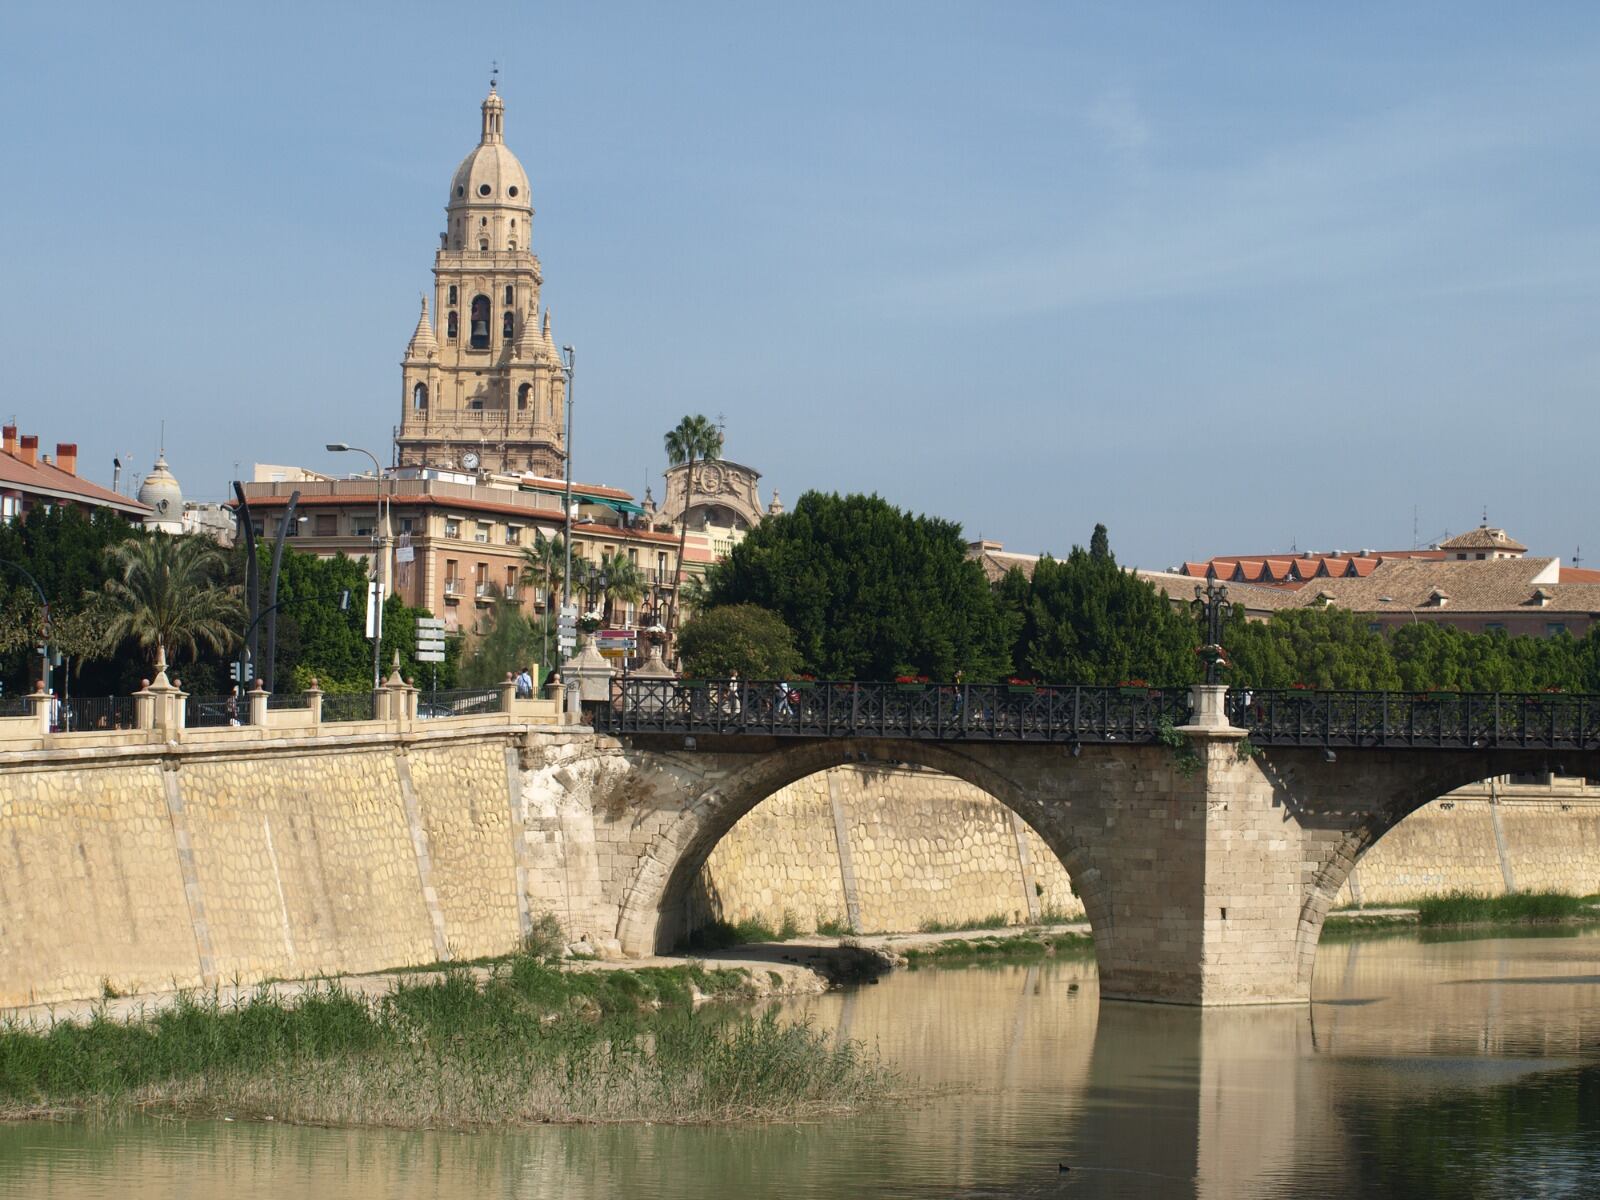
x=933, y=712
x=15, y=706
x=277, y=700
x=86, y=714
x=1421, y=720
x=347, y=706
x=209, y=712
x=458, y=702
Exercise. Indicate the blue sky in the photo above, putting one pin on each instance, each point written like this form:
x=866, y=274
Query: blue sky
x=1225, y=277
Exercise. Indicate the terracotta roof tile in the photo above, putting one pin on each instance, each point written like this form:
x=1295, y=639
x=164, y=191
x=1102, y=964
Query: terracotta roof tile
x=1488, y=585
x=1483, y=538
x=49, y=479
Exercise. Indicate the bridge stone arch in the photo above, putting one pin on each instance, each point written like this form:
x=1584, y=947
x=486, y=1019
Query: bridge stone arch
x=727, y=786
x=1346, y=806
x=1126, y=823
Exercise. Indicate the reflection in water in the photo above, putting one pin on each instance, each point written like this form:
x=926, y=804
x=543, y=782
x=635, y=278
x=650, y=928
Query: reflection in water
x=1464, y=1068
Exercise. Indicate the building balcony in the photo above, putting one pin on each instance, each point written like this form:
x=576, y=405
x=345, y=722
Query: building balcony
x=484, y=592
x=452, y=590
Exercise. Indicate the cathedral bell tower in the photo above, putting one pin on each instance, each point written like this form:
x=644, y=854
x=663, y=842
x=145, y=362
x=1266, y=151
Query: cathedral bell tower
x=482, y=380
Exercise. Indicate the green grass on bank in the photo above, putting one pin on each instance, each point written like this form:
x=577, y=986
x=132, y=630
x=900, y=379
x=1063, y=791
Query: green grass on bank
x=533, y=1044
x=1019, y=947
x=1468, y=908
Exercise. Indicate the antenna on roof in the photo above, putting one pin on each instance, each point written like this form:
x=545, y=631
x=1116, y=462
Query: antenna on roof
x=1577, y=555
x=1415, y=544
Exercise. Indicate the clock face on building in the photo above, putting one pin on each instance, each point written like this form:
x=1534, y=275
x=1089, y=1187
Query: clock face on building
x=469, y=460
x=162, y=505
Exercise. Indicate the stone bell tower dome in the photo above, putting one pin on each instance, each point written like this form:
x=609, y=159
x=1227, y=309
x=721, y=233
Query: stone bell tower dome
x=482, y=382
x=161, y=491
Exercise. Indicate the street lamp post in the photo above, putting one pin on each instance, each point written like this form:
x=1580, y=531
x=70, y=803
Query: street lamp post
x=380, y=566
x=1210, y=602
x=1409, y=609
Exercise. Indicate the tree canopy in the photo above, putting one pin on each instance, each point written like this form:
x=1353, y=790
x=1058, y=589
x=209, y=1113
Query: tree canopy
x=1083, y=619
x=165, y=592
x=742, y=638
x=869, y=590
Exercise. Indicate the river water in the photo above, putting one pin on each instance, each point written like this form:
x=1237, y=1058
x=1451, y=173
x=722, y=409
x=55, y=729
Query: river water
x=1465, y=1068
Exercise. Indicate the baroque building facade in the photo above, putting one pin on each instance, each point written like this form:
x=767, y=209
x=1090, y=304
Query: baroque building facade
x=482, y=391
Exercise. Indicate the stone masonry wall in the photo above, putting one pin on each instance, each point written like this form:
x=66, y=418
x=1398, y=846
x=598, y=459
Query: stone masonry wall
x=144, y=869
x=921, y=847
x=1548, y=840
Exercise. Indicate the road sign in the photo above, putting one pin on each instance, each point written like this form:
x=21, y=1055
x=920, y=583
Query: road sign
x=606, y=652
x=374, y=609
x=430, y=639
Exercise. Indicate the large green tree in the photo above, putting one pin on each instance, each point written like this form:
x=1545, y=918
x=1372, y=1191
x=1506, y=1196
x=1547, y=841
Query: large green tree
x=1083, y=619
x=322, y=628
x=742, y=638
x=1316, y=647
x=64, y=548
x=869, y=590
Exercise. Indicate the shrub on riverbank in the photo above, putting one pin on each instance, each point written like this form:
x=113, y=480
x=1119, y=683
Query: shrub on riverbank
x=531, y=1044
x=1467, y=908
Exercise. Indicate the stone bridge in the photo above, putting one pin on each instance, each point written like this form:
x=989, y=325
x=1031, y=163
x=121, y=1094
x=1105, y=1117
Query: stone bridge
x=1206, y=867
x=140, y=860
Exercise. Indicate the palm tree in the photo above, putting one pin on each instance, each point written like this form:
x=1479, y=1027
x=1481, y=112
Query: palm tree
x=544, y=566
x=694, y=438
x=624, y=580
x=544, y=563
x=165, y=595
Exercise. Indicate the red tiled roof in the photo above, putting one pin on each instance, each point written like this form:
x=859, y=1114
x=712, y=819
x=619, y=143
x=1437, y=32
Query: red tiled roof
x=47, y=479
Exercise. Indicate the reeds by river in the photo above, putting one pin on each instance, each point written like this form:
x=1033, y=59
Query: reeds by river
x=534, y=1043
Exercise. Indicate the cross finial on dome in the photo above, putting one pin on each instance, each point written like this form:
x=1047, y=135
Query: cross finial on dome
x=494, y=74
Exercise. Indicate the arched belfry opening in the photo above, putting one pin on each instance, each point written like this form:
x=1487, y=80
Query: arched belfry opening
x=419, y=397
x=480, y=322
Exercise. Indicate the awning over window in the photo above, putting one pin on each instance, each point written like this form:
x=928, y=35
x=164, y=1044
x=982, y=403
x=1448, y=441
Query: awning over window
x=578, y=497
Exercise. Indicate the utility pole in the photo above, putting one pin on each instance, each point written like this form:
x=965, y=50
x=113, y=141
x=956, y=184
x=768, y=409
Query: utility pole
x=380, y=565
x=568, y=367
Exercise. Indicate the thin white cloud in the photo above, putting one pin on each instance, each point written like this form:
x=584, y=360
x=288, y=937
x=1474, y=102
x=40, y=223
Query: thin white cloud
x=1117, y=119
x=1419, y=193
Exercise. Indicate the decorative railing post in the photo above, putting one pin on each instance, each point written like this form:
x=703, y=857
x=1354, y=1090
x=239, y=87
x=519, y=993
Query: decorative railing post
x=314, y=702
x=42, y=702
x=258, y=705
x=144, y=706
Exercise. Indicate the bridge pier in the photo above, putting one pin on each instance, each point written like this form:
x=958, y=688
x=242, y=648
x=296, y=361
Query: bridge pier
x=1204, y=886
